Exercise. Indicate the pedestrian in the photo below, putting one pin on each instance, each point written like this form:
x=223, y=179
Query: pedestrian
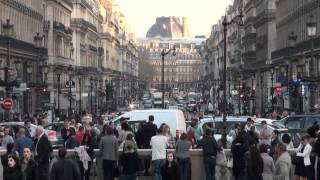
x=94, y=127
x=158, y=144
x=29, y=165
x=7, y=138
x=149, y=130
x=265, y=134
x=210, y=150
x=233, y=132
x=71, y=142
x=170, y=170
x=64, y=130
x=42, y=153
x=90, y=141
x=283, y=163
x=4, y=157
x=304, y=169
x=22, y=142
x=191, y=133
x=183, y=156
x=253, y=137
x=238, y=150
x=29, y=132
x=64, y=168
x=130, y=162
x=254, y=162
x=139, y=136
x=316, y=149
x=249, y=124
x=286, y=140
x=125, y=130
x=80, y=134
x=130, y=139
x=13, y=170
x=268, y=164
x=274, y=141
x=109, y=153
x=169, y=136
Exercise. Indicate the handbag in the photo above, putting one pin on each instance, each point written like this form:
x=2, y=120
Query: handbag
x=295, y=159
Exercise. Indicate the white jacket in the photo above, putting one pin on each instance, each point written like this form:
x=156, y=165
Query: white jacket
x=83, y=156
x=305, y=154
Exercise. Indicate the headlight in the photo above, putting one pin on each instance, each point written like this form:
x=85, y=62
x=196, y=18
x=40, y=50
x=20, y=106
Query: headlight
x=131, y=106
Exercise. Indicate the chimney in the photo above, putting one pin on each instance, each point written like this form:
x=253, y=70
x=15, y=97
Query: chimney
x=185, y=28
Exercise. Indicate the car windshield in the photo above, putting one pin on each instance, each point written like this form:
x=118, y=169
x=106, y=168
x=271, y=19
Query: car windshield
x=218, y=126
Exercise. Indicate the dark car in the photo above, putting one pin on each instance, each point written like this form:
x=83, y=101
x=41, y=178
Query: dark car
x=300, y=121
x=56, y=126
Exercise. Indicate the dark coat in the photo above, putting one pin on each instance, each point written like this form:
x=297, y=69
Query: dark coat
x=254, y=170
x=43, y=149
x=170, y=173
x=31, y=170
x=65, y=169
x=91, y=142
x=149, y=130
x=12, y=174
x=64, y=134
x=238, y=151
x=72, y=143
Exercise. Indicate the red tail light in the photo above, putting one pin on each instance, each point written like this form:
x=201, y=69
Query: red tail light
x=52, y=134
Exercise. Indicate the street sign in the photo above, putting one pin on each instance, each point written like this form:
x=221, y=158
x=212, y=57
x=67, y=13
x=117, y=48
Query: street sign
x=70, y=83
x=7, y=103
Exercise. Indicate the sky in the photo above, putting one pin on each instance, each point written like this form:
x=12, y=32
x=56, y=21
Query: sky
x=202, y=14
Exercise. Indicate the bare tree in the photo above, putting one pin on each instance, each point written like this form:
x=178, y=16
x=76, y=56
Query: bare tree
x=146, y=71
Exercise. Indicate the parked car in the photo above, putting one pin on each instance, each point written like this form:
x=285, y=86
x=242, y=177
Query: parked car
x=300, y=121
x=52, y=135
x=56, y=126
x=147, y=104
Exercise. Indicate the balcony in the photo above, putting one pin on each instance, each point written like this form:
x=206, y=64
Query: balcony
x=83, y=24
x=249, y=37
x=265, y=16
x=58, y=26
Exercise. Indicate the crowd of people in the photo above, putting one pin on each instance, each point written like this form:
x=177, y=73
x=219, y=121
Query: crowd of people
x=258, y=156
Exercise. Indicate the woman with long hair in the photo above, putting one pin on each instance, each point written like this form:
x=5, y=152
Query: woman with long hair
x=183, y=155
x=268, y=164
x=168, y=134
x=170, y=170
x=303, y=170
x=238, y=151
x=90, y=141
x=13, y=170
x=254, y=164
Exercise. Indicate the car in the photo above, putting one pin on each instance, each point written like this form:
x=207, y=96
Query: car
x=56, y=126
x=52, y=135
x=147, y=104
x=303, y=121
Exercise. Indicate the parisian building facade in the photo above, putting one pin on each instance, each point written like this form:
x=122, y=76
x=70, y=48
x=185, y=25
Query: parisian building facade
x=272, y=62
x=66, y=56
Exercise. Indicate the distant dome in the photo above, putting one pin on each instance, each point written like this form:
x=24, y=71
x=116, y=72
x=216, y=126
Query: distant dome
x=167, y=27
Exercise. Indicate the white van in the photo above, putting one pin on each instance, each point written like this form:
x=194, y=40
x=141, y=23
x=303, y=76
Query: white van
x=174, y=118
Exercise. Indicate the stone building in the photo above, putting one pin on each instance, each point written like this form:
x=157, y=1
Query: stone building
x=22, y=52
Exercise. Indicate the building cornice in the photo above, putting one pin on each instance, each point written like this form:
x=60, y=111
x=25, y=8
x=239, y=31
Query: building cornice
x=23, y=8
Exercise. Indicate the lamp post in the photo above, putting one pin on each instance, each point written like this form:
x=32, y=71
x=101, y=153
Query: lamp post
x=80, y=96
x=163, y=54
x=312, y=32
x=253, y=95
x=239, y=95
x=292, y=41
x=106, y=83
x=38, y=43
x=91, y=94
x=70, y=69
x=272, y=89
x=58, y=73
x=237, y=19
x=261, y=92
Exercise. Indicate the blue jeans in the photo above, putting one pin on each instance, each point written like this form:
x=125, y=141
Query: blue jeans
x=157, y=164
x=128, y=177
x=184, y=168
x=210, y=167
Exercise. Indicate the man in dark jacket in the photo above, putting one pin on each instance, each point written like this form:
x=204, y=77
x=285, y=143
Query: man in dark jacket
x=149, y=130
x=64, y=169
x=42, y=153
x=28, y=165
x=64, y=130
x=210, y=149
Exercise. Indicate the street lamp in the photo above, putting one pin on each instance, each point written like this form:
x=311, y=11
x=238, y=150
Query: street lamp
x=261, y=91
x=58, y=73
x=239, y=95
x=70, y=70
x=312, y=32
x=91, y=94
x=292, y=37
x=80, y=95
x=163, y=54
x=38, y=44
x=272, y=89
x=253, y=94
x=238, y=20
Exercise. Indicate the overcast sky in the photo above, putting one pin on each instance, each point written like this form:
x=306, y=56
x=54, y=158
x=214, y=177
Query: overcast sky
x=202, y=14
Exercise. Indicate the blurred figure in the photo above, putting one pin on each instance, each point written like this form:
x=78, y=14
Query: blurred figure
x=238, y=150
x=286, y=140
x=304, y=169
x=158, y=144
x=169, y=136
x=64, y=130
x=283, y=163
x=129, y=139
x=71, y=142
x=22, y=142
x=254, y=164
x=28, y=165
x=233, y=132
x=170, y=170
x=274, y=142
x=249, y=124
x=130, y=162
x=253, y=137
x=265, y=134
x=80, y=134
x=268, y=165
x=183, y=156
x=10, y=151
x=13, y=169
x=64, y=169
x=90, y=141
x=149, y=130
x=7, y=138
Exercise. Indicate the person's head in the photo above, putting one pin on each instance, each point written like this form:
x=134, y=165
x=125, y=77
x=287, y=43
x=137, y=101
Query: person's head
x=39, y=131
x=264, y=124
x=253, y=129
x=81, y=129
x=280, y=148
x=27, y=153
x=91, y=124
x=240, y=128
x=274, y=134
x=159, y=131
x=27, y=124
x=109, y=131
x=166, y=129
x=170, y=157
x=13, y=161
x=286, y=138
x=263, y=148
x=208, y=132
x=6, y=131
x=72, y=131
x=73, y=122
x=306, y=139
x=22, y=132
x=183, y=136
x=66, y=124
x=151, y=118
x=129, y=137
x=249, y=121
x=10, y=147
x=62, y=152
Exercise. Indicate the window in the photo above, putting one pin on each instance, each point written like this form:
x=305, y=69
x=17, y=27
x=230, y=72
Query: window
x=309, y=121
x=294, y=122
